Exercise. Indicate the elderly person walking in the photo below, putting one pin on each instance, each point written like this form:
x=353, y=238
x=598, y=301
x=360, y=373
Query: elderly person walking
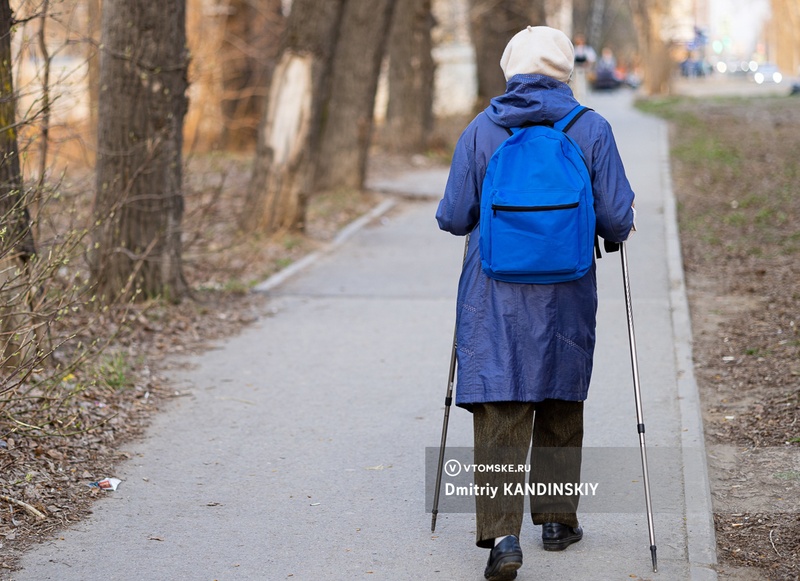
x=525, y=351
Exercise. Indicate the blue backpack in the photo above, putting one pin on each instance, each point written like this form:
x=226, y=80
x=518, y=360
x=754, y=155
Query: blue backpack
x=537, y=220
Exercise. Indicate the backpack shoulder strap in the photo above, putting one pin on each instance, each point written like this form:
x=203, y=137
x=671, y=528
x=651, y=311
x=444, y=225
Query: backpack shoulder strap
x=569, y=120
x=564, y=125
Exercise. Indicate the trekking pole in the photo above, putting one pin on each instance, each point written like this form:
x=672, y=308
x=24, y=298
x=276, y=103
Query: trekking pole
x=638, y=396
x=448, y=400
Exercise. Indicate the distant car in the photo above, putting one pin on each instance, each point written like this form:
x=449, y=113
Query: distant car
x=605, y=79
x=767, y=73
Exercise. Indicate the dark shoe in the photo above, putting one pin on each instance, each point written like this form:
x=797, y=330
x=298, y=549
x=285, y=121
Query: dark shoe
x=504, y=560
x=557, y=537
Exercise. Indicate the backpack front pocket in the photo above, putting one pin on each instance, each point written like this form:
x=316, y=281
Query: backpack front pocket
x=535, y=231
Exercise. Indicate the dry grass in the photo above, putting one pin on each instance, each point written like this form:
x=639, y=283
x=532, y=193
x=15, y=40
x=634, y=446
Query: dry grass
x=737, y=179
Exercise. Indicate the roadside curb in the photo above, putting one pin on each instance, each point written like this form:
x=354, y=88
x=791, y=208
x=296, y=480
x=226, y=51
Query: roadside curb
x=344, y=234
x=701, y=538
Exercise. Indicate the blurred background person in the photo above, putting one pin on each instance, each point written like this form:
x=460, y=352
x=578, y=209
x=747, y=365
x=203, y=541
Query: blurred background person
x=585, y=57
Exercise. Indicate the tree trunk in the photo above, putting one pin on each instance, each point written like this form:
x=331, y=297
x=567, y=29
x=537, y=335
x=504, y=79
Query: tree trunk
x=94, y=8
x=249, y=50
x=785, y=36
x=356, y=66
x=409, y=115
x=139, y=199
x=16, y=242
x=596, y=27
x=559, y=14
x=648, y=17
x=492, y=24
x=289, y=134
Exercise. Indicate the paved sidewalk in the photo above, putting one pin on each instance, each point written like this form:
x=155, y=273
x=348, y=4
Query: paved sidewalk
x=301, y=454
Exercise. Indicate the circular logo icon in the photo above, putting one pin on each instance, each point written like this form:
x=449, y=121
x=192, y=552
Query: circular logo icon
x=452, y=468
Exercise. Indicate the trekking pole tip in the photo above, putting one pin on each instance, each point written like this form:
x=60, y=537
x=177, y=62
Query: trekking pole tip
x=433, y=521
x=655, y=560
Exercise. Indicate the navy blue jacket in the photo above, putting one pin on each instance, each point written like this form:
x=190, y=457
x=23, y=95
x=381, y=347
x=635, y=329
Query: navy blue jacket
x=526, y=342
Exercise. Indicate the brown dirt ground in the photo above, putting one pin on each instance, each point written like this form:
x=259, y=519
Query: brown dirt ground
x=50, y=467
x=737, y=180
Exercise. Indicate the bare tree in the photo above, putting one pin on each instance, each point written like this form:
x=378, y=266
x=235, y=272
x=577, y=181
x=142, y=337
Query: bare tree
x=139, y=199
x=595, y=37
x=318, y=122
x=289, y=133
x=356, y=67
x=784, y=35
x=409, y=116
x=492, y=24
x=560, y=14
x=648, y=17
x=16, y=238
x=249, y=49
x=94, y=10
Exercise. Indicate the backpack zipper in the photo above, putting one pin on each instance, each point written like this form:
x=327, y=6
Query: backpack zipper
x=496, y=207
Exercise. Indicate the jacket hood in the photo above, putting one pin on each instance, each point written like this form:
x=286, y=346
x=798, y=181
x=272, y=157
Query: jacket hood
x=531, y=99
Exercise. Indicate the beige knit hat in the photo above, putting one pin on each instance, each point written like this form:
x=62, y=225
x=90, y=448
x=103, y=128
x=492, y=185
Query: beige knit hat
x=539, y=50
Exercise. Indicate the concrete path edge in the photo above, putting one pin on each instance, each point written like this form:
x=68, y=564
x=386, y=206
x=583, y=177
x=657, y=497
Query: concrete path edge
x=701, y=538
x=344, y=234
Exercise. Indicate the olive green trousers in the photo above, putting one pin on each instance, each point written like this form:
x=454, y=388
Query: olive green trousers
x=552, y=430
